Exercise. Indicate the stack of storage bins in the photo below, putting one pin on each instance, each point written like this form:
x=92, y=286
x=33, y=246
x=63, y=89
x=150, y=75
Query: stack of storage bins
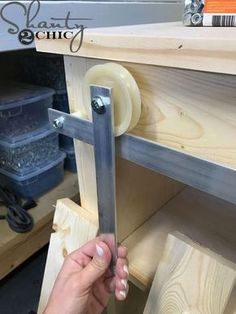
x=30, y=160
x=48, y=70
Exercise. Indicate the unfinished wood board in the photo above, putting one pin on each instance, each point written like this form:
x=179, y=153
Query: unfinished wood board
x=204, y=218
x=15, y=248
x=190, y=279
x=75, y=70
x=139, y=191
x=167, y=44
x=73, y=227
x=191, y=111
x=194, y=112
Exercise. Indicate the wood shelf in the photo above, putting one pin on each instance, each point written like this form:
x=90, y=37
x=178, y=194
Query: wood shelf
x=209, y=49
x=207, y=220
x=15, y=248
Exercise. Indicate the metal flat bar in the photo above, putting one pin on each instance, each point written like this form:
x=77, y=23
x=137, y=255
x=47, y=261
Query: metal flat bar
x=201, y=174
x=73, y=126
x=104, y=153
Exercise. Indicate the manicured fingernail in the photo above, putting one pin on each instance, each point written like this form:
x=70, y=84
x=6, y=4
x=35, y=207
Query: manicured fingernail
x=99, y=250
x=124, y=283
x=123, y=293
x=126, y=269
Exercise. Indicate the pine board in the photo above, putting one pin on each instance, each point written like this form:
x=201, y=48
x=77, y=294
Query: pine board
x=210, y=49
x=191, y=111
x=73, y=228
x=190, y=279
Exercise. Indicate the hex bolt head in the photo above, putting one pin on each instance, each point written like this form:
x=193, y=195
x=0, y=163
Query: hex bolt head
x=58, y=123
x=98, y=105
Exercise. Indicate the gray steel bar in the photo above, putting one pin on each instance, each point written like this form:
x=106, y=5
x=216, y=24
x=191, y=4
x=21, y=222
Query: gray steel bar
x=72, y=126
x=104, y=152
x=198, y=173
x=204, y=175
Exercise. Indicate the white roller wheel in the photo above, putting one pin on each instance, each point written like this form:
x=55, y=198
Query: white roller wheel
x=126, y=94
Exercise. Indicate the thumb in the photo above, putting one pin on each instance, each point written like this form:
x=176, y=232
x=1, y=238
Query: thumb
x=98, y=265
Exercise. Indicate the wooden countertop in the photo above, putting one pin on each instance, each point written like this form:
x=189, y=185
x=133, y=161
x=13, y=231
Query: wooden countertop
x=165, y=44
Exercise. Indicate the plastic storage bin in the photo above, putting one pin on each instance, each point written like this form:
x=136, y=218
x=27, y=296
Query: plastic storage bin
x=65, y=142
x=36, y=183
x=30, y=154
x=23, y=109
x=70, y=162
x=43, y=69
x=60, y=101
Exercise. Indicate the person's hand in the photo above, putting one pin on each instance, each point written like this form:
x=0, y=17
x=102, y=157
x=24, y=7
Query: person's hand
x=85, y=282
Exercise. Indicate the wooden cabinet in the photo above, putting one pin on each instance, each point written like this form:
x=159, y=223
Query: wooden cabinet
x=187, y=81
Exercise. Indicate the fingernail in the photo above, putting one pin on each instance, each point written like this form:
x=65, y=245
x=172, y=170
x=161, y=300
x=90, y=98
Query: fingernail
x=124, y=283
x=99, y=250
x=126, y=269
x=123, y=293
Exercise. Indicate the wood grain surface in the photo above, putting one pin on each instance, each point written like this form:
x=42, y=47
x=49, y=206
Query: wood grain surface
x=191, y=111
x=190, y=279
x=194, y=112
x=73, y=228
x=167, y=44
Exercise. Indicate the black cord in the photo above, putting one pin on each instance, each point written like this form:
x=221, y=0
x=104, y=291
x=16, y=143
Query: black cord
x=19, y=220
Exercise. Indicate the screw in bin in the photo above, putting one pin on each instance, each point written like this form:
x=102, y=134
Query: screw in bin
x=98, y=105
x=58, y=123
